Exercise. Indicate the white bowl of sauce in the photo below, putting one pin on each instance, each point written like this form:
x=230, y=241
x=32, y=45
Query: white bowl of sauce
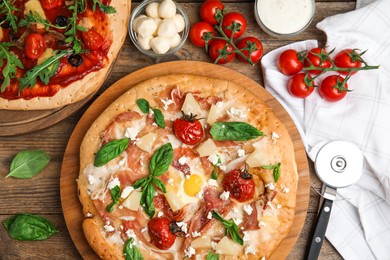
x=283, y=18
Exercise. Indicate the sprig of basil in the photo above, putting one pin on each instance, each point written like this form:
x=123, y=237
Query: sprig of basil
x=231, y=228
x=27, y=164
x=212, y=256
x=29, y=227
x=130, y=251
x=115, y=195
x=234, y=131
x=144, y=106
x=159, y=164
x=110, y=151
x=275, y=170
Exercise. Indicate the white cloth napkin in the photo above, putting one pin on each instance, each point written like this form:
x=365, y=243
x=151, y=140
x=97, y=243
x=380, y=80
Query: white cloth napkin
x=359, y=226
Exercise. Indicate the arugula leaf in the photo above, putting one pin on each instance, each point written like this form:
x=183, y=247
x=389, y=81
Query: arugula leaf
x=231, y=228
x=71, y=33
x=44, y=71
x=110, y=151
x=275, y=170
x=26, y=164
x=12, y=63
x=212, y=256
x=35, y=17
x=103, y=8
x=29, y=227
x=7, y=8
x=115, y=195
x=234, y=131
x=143, y=105
x=159, y=118
x=130, y=251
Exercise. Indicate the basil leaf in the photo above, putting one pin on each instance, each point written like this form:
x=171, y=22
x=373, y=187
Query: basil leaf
x=231, y=228
x=131, y=252
x=115, y=195
x=147, y=197
x=161, y=160
x=275, y=170
x=212, y=256
x=160, y=185
x=234, y=131
x=29, y=227
x=110, y=151
x=143, y=105
x=159, y=118
x=27, y=164
x=140, y=183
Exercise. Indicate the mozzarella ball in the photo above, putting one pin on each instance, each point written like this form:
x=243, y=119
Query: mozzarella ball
x=174, y=40
x=136, y=21
x=167, y=9
x=179, y=22
x=167, y=28
x=160, y=45
x=146, y=27
x=144, y=42
x=157, y=21
x=152, y=10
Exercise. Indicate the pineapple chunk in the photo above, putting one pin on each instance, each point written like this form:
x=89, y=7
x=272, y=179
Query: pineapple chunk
x=227, y=247
x=47, y=54
x=258, y=158
x=191, y=106
x=174, y=201
x=133, y=201
x=146, y=142
x=201, y=242
x=35, y=5
x=214, y=113
x=207, y=148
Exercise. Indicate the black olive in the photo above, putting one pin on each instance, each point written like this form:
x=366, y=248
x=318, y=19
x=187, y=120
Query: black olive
x=75, y=60
x=61, y=21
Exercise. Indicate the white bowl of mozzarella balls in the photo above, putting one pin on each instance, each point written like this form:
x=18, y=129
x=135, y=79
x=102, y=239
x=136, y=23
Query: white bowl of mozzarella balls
x=158, y=28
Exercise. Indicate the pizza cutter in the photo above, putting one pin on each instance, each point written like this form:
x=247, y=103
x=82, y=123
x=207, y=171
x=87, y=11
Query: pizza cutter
x=338, y=164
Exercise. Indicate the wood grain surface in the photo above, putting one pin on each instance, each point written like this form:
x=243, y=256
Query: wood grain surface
x=41, y=195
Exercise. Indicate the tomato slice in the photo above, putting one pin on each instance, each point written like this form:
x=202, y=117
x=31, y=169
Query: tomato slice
x=51, y=4
x=34, y=46
x=92, y=39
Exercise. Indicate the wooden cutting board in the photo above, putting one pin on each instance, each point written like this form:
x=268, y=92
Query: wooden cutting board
x=70, y=167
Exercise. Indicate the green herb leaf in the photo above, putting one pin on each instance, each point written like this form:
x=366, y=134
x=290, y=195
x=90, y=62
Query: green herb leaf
x=7, y=8
x=110, y=151
x=234, y=131
x=115, y=195
x=275, y=170
x=161, y=160
x=214, y=174
x=77, y=7
x=27, y=164
x=212, y=256
x=35, y=17
x=147, y=197
x=140, y=183
x=29, y=227
x=159, y=184
x=231, y=228
x=159, y=118
x=130, y=251
x=103, y=8
x=12, y=62
x=44, y=71
x=143, y=105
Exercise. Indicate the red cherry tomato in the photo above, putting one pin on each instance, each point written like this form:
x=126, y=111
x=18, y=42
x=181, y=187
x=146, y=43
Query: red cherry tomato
x=221, y=52
x=160, y=233
x=188, y=130
x=240, y=184
x=250, y=43
x=197, y=32
x=51, y=4
x=289, y=63
x=332, y=89
x=34, y=46
x=299, y=86
x=348, y=59
x=234, y=20
x=92, y=39
x=209, y=9
x=317, y=57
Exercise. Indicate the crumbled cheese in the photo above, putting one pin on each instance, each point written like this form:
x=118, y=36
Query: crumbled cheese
x=166, y=102
x=219, y=104
x=238, y=221
x=250, y=250
x=196, y=234
x=235, y=210
x=209, y=215
x=241, y=152
x=222, y=167
x=274, y=136
x=189, y=251
x=88, y=215
x=182, y=160
x=270, y=186
x=248, y=209
x=212, y=182
x=225, y=195
x=122, y=162
x=286, y=190
x=131, y=132
x=113, y=183
x=130, y=234
x=183, y=226
x=121, y=227
x=213, y=245
x=235, y=112
x=144, y=229
x=160, y=214
x=263, y=258
x=91, y=180
x=171, y=180
x=278, y=206
x=126, y=192
x=127, y=218
x=154, y=124
x=109, y=228
x=261, y=224
x=120, y=207
x=214, y=159
x=151, y=113
x=246, y=236
x=270, y=204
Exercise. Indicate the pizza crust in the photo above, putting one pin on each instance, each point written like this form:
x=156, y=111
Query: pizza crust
x=79, y=90
x=207, y=87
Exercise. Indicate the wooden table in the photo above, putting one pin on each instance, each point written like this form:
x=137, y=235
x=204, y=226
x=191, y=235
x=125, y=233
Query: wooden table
x=41, y=195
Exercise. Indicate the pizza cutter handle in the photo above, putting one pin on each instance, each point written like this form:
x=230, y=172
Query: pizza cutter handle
x=320, y=229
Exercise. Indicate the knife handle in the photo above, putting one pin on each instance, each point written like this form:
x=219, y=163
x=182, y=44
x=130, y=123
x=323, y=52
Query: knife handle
x=320, y=229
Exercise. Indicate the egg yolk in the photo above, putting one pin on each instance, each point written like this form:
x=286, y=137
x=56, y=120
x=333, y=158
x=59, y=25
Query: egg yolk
x=192, y=185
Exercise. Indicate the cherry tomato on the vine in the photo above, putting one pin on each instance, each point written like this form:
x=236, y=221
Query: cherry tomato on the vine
x=348, y=58
x=188, y=129
x=160, y=233
x=333, y=89
x=240, y=184
x=253, y=44
x=210, y=9
x=234, y=22
x=34, y=46
x=198, y=31
x=300, y=85
x=317, y=57
x=289, y=63
x=221, y=52
x=51, y=4
x=92, y=39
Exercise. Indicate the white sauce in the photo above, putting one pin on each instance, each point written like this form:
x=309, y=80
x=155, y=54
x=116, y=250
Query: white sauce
x=285, y=16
